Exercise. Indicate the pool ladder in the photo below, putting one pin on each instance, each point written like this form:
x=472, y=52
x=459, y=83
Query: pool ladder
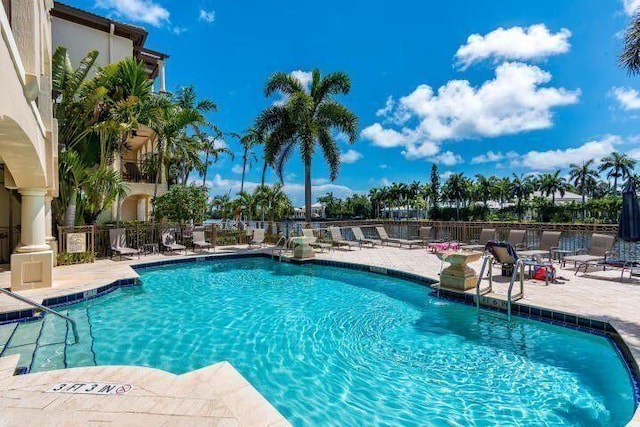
x=281, y=249
x=511, y=296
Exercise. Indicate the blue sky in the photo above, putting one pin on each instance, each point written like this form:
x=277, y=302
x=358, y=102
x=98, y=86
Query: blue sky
x=488, y=87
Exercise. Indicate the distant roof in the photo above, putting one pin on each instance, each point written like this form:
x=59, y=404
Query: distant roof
x=568, y=195
x=69, y=13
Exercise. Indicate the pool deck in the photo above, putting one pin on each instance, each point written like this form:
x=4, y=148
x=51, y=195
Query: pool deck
x=597, y=295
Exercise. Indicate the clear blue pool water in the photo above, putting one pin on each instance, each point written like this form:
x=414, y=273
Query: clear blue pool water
x=329, y=346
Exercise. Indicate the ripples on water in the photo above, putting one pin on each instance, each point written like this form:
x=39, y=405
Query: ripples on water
x=329, y=346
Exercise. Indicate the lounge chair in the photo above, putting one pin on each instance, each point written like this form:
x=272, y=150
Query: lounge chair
x=425, y=234
x=486, y=235
x=385, y=239
x=118, y=240
x=601, y=247
x=169, y=242
x=359, y=237
x=548, y=242
x=308, y=232
x=516, y=238
x=199, y=240
x=339, y=241
x=257, y=238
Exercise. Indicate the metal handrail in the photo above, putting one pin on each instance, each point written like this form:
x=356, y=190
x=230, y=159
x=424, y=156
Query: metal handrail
x=74, y=327
x=276, y=247
x=510, y=297
x=487, y=260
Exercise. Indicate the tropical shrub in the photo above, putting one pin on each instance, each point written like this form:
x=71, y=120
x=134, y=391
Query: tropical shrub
x=182, y=204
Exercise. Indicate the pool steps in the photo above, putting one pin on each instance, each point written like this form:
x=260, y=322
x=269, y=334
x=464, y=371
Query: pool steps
x=46, y=343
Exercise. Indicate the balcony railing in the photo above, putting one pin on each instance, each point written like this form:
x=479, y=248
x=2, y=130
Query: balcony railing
x=132, y=172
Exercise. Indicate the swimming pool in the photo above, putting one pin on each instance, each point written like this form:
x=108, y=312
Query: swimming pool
x=330, y=346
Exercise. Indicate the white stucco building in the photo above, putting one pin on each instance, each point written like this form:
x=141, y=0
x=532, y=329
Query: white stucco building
x=317, y=212
x=28, y=140
x=79, y=32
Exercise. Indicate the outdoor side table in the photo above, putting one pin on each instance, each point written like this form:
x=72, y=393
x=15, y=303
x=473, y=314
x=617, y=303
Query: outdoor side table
x=560, y=254
x=535, y=263
x=150, y=248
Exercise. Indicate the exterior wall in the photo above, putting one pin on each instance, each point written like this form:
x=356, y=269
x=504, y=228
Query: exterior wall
x=80, y=39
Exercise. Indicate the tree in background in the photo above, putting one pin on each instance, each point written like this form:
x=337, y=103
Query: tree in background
x=584, y=178
x=182, y=204
x=617, y=166
x=275, y=202
x=306, y=120
x=434, y=187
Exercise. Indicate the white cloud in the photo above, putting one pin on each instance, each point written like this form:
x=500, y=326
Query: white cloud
x=319, y=181
x=446, y=158
x=631, y=6
x=383, y=166
x=528, y=43
x=513, y=102
x=350, y=156
x=178, y=30
x=561, y=158
x=219, y=143
x=628, y=98
x=147, y=11
x=295, y=191
x=304, y=77
x=491, y=157
x=445, y=175
x=237, y=169
x=207, y=15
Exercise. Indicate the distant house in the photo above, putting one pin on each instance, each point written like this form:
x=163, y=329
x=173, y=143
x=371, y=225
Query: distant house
x=318, y=211
x=560, y=199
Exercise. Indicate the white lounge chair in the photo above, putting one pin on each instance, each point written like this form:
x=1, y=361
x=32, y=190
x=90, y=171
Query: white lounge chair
x=118, y=240
x=199, y=240
x=308, y=232
x=257, y=238
x=169, y=242
x=601, y=247
x=486, y=235
x=339, y=241
x=384, y=238
x=548, y=242
x=359, y=237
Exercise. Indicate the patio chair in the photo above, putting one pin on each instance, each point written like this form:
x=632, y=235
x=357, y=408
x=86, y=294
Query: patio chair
x=601, y=247
x=384, y=239
x=257, y=238
x=308, y=232
x=339, y=241
x=199, y=240
x=486, y=235
x=425, y=234
x=516, y=238
x=548, y=242
x=359, y=237
x=169, y=242
x=118, y=240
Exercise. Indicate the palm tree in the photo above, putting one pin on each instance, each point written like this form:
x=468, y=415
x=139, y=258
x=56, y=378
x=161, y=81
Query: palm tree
x=521, y=189
x=252, y=137
x=274, y=200
x=630, y=56
x=455, y=189
x=584, y=179
x=211, y=150
x=617, y=166
x=306, y=121
x=503, y=190
x=551, y=183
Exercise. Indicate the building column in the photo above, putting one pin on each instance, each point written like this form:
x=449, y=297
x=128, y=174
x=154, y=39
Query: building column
x=142, y=209
x=33, y=220
x=163, y=87
x=48, y=228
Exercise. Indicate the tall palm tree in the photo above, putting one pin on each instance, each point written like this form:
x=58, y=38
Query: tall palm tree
x=630, y=56
x=583, y=177
x=455, y=189
x=521, y=189
x=252, y=137
x=618, y=166
x=306, y=120
x=551, y=183
x=211, y=149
